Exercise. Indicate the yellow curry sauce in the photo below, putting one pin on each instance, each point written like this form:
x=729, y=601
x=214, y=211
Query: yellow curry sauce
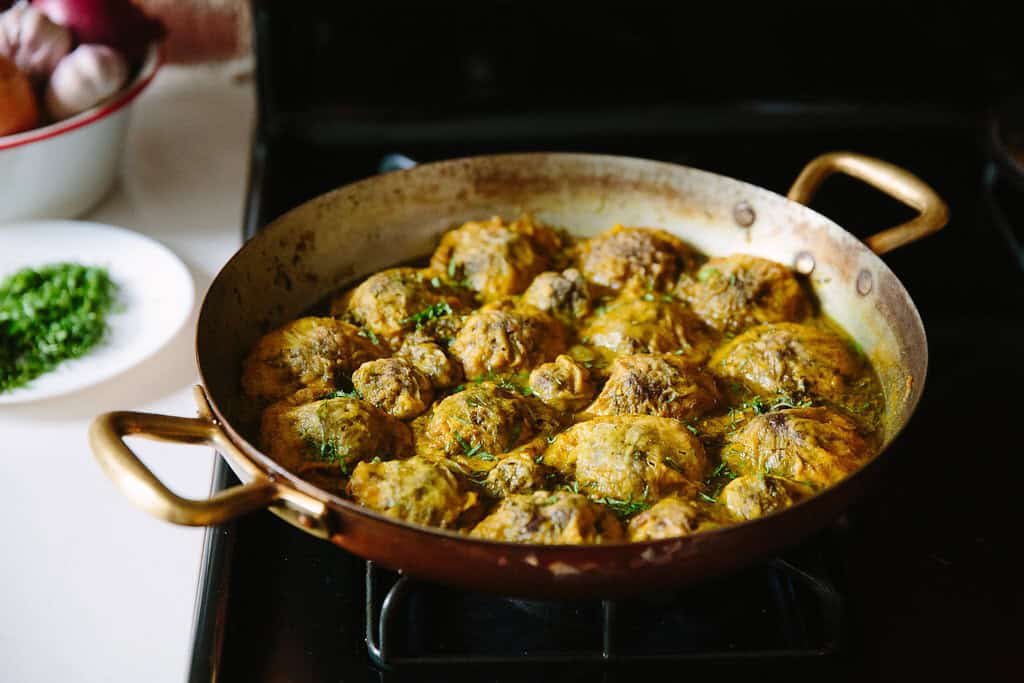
x=530, y=387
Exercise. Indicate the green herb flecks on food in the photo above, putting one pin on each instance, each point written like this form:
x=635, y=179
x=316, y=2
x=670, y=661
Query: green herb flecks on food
x=329, y=452
x=341, y=393
x=369, y=334
x=431, y=312
x=624, y=507
x=516, y=383
x=707, y=273
x=471, y=451
x=49, y=315
x=716, y=481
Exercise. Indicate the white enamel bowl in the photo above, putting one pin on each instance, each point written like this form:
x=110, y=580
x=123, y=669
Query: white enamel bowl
x=64, y=169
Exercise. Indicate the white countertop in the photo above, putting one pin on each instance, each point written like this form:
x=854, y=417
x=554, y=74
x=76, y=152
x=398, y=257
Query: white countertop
x=91, y=588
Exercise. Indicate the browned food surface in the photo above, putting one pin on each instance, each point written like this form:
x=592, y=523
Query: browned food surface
x=649, y=324
x=550, y=517
x=632, y=397
x=416, y=490
x=305, y=352
x=394, y=385
x=630, y=457
x=496, y=258
x=792, y=359
x=813, y=447
x=754, y=495
x=736, y=292
x=563, y=384
x=322, y=440
x=396, y=302
x=507, y=336
x=656, y=384
x=668, y=518
x=518, y=473
x=637, y=259
x=486, y=420
x=564, y=295
x=430, y=359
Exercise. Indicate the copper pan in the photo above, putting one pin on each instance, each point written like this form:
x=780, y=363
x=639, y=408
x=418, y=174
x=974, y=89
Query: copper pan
x=342, y=236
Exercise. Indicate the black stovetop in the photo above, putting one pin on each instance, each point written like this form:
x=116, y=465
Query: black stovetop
x=922, y=566
x=916, y=579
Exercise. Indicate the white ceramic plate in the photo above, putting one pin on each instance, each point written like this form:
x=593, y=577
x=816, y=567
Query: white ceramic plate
x=155, y=296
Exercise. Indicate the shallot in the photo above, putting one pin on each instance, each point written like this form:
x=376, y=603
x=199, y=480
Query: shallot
x=83, y=79
x=32, y=41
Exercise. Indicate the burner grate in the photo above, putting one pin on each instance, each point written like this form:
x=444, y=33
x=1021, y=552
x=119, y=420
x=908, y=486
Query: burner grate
x=799, y=616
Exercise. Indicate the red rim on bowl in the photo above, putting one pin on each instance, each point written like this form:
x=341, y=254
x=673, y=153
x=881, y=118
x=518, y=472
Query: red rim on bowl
x=154, y=60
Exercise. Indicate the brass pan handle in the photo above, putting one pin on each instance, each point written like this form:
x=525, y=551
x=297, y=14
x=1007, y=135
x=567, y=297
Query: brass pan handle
x=140, y=485
x=933, y=214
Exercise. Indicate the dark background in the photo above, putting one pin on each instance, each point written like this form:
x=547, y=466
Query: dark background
x=428, y=60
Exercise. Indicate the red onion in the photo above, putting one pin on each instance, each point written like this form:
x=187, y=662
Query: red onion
x=117, y=23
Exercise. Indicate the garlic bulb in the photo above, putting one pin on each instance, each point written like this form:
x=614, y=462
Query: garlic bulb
x=33, y=42
x=83, y=79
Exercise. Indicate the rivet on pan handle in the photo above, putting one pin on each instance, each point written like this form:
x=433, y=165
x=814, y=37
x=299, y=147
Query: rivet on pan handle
x=894, y=181
x=141, y=486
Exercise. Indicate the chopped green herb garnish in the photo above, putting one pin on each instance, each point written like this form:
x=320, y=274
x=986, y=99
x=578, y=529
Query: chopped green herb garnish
x=780, y=402
x=435, y=282
x=509, y=385
x=452, y=267
x=341, y=393
x=624, y=508
x=49, y=315
x=693, y=430
x=716, y=481
x=431, y=312
x=469, y=451
x=328, y=451
x=368, y=333
x=722, y=469
x=505, y=383
x=648, y=297
x=785, y=401
x=706, y=273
